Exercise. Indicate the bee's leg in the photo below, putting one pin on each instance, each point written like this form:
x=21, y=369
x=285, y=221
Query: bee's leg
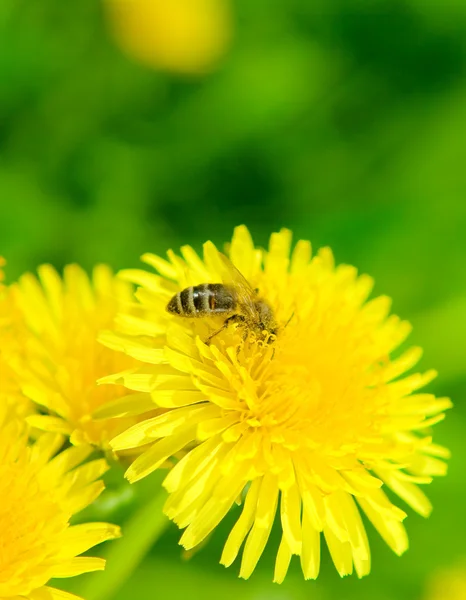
x=229, y=321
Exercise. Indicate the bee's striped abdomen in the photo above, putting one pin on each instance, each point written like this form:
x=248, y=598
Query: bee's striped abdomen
x=202, y=300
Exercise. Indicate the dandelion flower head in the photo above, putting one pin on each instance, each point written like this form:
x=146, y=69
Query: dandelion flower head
x=313, y=423
x=40, y=491
x=61, y=356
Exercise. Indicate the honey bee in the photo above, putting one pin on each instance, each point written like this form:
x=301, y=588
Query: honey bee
x=234, y=299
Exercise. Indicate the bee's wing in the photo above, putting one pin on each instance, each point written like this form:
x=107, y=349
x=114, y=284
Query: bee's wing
x=245, y=295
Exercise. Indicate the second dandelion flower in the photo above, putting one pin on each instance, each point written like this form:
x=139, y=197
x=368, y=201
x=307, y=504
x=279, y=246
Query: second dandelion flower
x=60, y=358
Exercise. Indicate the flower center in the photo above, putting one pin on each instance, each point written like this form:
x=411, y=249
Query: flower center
x=315, y=384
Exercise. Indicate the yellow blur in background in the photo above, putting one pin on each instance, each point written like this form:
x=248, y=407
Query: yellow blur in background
x=185, y=36
x=448, y=583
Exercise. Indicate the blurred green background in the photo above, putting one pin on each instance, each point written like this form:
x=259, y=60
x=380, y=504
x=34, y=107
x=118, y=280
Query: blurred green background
x=344, y=120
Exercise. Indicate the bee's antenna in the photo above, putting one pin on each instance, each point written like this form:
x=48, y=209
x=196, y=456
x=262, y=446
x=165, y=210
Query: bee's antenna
x=233, y=319
x=288, y=322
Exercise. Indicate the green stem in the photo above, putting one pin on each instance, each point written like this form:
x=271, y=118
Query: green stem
x=139, y=534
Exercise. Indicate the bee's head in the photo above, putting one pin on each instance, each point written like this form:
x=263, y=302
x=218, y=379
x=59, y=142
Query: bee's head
x=266, y=316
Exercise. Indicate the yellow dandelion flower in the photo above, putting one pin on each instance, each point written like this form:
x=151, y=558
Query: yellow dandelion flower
x=40, y=492
x=314, y=422
x=61, y=356
x=11, y=395
x=448, y=583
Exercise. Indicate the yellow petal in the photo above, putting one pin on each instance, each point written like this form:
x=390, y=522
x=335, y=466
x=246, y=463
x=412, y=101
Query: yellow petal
x=192, y=464
x=242, y=525
x=409, y=492
x=48, y=423
x=79, y=538
x=282, y=562
x=78, y=565
x=48, y=593
x=340, y=553
x=133, y=348
x=223, y=497
x=125, y=406
x=290, y=517
x=243, y=254
x=158, y=453
x=301, y=256
x=265, y=513
x=53, y=287
x=391, y=530
x=165, y=268
x=310, y=554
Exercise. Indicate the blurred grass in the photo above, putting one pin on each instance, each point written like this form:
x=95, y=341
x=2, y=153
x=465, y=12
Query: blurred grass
x=341, y=119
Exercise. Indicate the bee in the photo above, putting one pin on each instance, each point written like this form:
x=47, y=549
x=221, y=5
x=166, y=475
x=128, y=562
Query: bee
x=234, y=299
